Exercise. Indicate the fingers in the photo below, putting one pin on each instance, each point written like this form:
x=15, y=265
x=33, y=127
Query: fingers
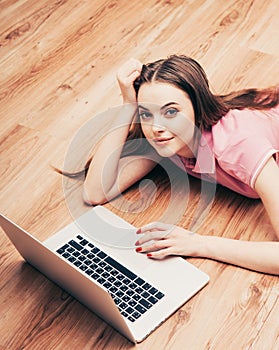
x=129, y=71
x=161, y=254
x=152, y=236
x=126, y=76
x=155, y=226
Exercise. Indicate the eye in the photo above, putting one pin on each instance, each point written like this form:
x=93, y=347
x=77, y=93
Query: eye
x=171, y=112
x=145, y=115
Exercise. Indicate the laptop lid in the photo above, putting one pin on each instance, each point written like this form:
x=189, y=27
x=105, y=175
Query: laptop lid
x=90, y=293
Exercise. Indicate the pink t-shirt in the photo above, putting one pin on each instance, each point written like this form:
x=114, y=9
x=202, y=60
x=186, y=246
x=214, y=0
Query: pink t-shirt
x=236, y=149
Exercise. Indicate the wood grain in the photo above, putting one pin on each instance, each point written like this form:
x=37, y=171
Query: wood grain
x=58, y=64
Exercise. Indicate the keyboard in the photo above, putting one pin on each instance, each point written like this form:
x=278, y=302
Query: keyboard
x=132, y=294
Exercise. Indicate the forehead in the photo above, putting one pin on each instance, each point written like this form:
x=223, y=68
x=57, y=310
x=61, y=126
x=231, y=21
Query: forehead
x=161, y=94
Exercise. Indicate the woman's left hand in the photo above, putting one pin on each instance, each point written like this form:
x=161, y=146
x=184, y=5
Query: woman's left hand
x=160, y=240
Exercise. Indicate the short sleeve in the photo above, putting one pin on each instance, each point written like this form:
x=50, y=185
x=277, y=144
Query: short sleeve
x=243, y=144
x=245, y=160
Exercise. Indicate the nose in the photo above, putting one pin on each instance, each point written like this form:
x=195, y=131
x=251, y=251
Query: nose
x=158, y=126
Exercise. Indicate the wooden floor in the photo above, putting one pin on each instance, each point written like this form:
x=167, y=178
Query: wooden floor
x=58, y=61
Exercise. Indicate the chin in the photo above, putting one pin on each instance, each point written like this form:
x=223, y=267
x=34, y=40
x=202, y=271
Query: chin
x=166, y=153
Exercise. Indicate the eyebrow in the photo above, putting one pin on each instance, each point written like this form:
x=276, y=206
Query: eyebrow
x=163, y=107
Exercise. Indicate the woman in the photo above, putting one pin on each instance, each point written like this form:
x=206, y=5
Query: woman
x=177, y=114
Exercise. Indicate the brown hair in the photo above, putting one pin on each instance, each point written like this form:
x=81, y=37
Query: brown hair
x=187, y=74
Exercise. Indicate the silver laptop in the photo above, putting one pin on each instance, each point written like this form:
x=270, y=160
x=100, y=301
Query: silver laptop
x=131, y=292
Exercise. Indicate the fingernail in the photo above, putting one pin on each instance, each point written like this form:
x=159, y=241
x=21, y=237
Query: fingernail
x=139, y=249
x=149, y=255
x=138, y=230
x=137, y=243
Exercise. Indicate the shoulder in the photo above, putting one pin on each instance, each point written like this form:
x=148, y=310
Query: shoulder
x=243, y=140
x=244, y=127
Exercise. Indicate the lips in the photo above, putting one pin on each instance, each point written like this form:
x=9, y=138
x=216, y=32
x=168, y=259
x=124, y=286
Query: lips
x=162, y=140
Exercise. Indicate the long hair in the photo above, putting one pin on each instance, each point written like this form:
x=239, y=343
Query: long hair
x=187, y=75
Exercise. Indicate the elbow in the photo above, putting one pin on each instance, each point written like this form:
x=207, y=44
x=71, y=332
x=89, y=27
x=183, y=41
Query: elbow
x=95, y=198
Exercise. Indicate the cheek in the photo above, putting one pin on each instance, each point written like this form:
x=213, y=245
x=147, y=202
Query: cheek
x=185, y=132
x=145, y=129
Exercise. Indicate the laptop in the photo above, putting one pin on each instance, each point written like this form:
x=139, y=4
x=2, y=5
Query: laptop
x=132, y=293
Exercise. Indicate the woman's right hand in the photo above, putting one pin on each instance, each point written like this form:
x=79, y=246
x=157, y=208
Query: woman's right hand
x=126, y=76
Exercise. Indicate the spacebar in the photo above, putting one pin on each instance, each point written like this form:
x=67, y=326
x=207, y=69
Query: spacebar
x=120, y=268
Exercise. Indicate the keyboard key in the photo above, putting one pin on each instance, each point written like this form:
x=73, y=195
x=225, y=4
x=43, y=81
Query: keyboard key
x=82, y=258
x=94, y=266
x=139, y=290
x=130, y=292
x=132, y=303
x=146, y=286
x=75, y=245
x=83, y=242
x=126, y=281
x=113, y=289
x=72, y=259
x=153, y=291
x=152, y=300
x=159, y=295
x=124, y=288
x=132, y=285
x=119, y=293
x=108, y=268
x=120, y=268
x=140, y=309
x=102, y=255
x=145, y=303
x=95, y=250
x=107, y=285
x=139, y=281
x=102, y=264
x=126, y=298
x=85, y=251
x=118, y=283
x=123, y=313
x=117, y=300
x=129, y=310
x=136, y=315
x=101, y=280
x=105, y=274
x=145, y=295
x=89, y=272
x=111, y=279
x=83, y=267
x=136, y=297
x=123, y=306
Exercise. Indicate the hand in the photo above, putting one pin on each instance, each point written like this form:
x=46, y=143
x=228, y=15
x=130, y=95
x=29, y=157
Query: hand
x=166, y=239
x=126, y=76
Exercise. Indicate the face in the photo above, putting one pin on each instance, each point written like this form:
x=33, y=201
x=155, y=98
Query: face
x=167, y=119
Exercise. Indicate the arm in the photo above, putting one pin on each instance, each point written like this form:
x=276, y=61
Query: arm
x=267, y=186
x=161, y=240
x=108, y=174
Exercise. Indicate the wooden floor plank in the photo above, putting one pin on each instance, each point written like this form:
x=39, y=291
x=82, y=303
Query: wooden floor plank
x=58, y=62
